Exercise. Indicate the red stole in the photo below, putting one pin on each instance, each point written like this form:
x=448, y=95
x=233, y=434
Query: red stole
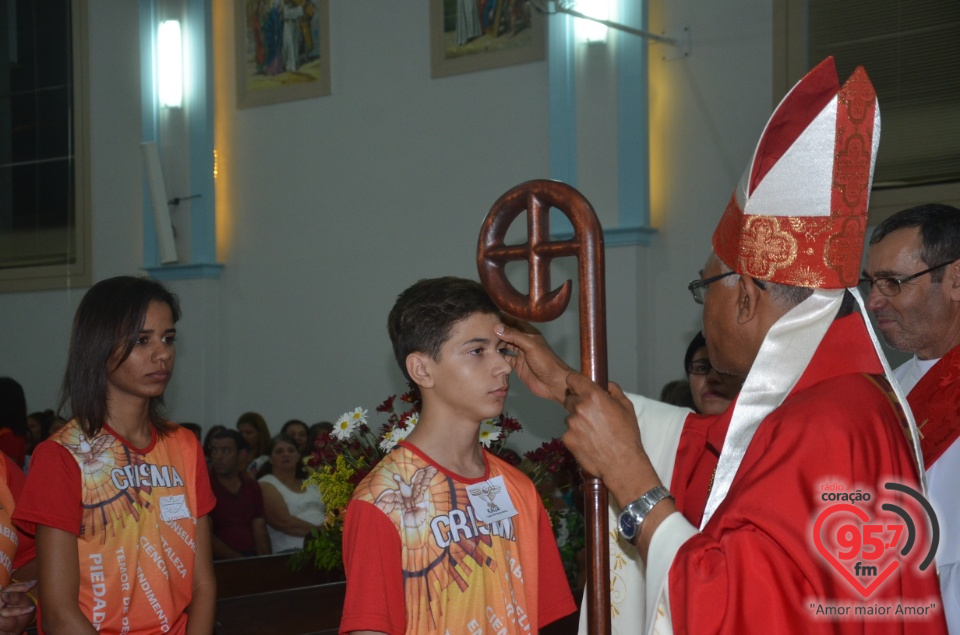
x=935, y=402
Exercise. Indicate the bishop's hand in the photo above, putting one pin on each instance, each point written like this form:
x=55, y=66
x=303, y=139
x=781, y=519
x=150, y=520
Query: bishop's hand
x=603, y=435
x=535, y=363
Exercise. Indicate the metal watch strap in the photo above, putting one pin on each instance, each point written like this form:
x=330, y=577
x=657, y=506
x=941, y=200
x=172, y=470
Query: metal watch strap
x=633, y=515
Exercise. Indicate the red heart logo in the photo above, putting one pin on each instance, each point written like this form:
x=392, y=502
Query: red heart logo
x=818, y=540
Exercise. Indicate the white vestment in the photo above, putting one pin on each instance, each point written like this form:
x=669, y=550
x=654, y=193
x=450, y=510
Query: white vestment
x=660, y=428
x=942, y=479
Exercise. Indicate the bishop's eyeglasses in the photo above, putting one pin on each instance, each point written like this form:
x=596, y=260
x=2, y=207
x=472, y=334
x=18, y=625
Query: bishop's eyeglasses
x=891, y=286
x=699, y=287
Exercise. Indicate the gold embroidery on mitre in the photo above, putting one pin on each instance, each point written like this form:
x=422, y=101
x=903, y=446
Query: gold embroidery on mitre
x=764, y=247
x=844, y=250
x=858, y=96
x=726, y=237
x=852, y=169
x=810, y=228
x=805, y=277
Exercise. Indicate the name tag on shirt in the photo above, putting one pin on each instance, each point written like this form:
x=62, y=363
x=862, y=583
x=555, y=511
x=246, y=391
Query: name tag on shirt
x=174, y=507
x=491, y=500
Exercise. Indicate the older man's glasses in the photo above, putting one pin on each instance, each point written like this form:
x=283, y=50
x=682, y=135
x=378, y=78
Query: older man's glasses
x=891, y=286
x=699, y=287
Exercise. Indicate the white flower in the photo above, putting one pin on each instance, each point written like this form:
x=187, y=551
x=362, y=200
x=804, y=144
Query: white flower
x=399, y=434
x=411, y=421
x=344, y=426
x=359, y=416
x=395, y=435
x=489, y=432
x=388, y=440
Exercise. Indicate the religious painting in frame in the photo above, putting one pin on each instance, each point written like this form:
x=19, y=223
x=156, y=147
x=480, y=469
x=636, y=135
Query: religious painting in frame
x=475, y=35
x=283, y=50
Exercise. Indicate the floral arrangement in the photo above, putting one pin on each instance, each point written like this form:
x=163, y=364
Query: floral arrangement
x=343, y=457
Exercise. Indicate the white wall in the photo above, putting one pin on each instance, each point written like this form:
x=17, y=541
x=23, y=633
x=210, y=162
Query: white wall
x=338, y=203
x=707, y=112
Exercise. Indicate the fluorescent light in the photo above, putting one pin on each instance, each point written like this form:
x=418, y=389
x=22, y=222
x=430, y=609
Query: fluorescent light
x=588, y=30
x=170, y=64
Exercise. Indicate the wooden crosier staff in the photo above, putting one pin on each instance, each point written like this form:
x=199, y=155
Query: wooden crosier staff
x=542, y=305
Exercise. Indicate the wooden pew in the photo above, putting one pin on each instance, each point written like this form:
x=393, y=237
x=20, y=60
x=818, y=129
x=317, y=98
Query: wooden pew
x=312, y=610
x=260, y=574
x=264, y=596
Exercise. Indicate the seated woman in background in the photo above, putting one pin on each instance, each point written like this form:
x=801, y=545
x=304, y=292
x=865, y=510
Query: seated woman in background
x=291, y=511
x=712, y=390
x=254, y=429
x=299, y=432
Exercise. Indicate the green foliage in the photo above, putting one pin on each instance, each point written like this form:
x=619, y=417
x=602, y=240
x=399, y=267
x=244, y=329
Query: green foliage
x=324, y=549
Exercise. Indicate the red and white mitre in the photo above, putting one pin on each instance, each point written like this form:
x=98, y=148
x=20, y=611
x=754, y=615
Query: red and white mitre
x=799, y=214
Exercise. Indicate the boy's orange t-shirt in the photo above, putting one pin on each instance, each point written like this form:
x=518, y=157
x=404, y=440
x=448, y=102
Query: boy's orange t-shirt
x=134, y=512
x=419, y=560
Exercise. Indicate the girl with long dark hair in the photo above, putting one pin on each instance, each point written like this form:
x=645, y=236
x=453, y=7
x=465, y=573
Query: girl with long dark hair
x=119, y=497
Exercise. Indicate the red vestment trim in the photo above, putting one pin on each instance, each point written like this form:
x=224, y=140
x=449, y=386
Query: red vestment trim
x=935, y=402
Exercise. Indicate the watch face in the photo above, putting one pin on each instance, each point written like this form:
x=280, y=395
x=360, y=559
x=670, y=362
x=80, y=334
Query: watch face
x=628, y=526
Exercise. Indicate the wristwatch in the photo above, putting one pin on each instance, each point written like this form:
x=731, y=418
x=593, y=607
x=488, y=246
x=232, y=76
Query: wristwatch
x=633, y=514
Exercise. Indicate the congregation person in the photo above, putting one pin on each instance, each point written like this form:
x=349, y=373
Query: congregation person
x=38, y=425
x=440, y=530
x=299, y=432
x=18, y=566
x=208, y=441
x=912, y=277
x=13, y=420
x=292, y=511
x=194, y=428
x=254, y=429
x=316, y=430
x=119, y=498
x=712, y=391
x=677, y=393
x=239, y=521
x=720, y=508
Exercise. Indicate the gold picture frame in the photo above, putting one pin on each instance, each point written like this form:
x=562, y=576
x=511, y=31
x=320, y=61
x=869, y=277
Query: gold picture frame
x=282, y=50
x=474, y=35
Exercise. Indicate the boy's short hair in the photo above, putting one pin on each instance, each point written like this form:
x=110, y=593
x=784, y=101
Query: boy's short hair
x=423, y=315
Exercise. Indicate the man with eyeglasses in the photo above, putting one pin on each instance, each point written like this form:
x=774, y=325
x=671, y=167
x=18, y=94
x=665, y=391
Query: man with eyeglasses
x=722, y=509
x=912, y=285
